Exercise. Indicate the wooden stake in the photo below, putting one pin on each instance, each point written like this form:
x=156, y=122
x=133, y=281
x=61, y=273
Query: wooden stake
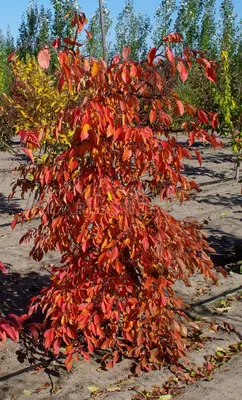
x=103, y=31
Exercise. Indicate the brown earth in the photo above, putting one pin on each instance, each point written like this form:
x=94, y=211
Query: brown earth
x=219, y=206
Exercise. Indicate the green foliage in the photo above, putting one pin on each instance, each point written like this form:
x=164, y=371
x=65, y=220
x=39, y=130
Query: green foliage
x=132, y=29
x=227, y=33
x=44, y=34
x=94, y=45
x=163, y=20
x=6, y=48
x=61, y=26
x=28, y=31
x=207, y=38
x=187, y=22
x=224, y=98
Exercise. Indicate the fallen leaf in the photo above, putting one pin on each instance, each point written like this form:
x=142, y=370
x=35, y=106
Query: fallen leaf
x=113, y=389
x=27, y=392
x=222, y=309
x=127, y=382
x=93, y=388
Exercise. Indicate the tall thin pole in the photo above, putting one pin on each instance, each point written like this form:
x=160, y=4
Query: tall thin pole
x=103, y=31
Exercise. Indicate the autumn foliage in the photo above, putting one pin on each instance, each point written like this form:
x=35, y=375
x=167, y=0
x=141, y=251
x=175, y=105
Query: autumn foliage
x=120, y=254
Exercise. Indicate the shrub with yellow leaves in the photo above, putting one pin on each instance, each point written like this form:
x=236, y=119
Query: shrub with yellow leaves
x=37, y=105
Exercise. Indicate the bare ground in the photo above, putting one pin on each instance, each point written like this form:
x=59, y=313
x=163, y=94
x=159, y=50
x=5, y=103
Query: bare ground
x=219, y=206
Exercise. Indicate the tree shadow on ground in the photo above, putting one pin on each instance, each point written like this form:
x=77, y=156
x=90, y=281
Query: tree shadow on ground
x=193, y=171
x=228, y=247
x=17, y=290
x=9, y=207
x=225, y=200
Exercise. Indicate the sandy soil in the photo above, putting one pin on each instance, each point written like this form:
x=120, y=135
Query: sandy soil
x=219, y=206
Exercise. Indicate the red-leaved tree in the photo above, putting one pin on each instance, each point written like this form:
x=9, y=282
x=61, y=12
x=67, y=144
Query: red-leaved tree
x=120, y=254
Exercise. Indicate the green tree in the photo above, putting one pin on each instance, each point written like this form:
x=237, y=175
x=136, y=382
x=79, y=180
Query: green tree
x=44, y=32
x=207, y=39
x=6, y=48
x=227, y=32
x=28, y=30
x=224, y=95
x=94, y=45
x=132, y=29
x=61, y=26
x=9, y=41
x=163, y=20
x=188, y=21
x=237, y=75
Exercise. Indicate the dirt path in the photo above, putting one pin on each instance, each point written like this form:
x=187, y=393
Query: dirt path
x=219, y=206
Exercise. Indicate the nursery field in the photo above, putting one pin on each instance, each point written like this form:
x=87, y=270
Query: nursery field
x=216, y=307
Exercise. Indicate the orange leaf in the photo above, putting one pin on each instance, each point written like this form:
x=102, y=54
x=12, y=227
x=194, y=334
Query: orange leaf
x=127, y=154
x=95, y=68
x=183, y=70
x=191, y=109
x=29, y=154
x=153, y=116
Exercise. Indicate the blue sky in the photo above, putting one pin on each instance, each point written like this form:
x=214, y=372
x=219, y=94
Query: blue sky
x=12, y=10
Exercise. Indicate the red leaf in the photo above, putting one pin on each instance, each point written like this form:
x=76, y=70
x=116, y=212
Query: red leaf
x=11, y=56
x=145, y=243
x=214, y=120
x=85, y=246
x=202, y=116
x=114, y=254
x=209, y=366
x=71, y=42
x=34, y=333
x=3, y=268
x=151, y=55
x=173, y=38
x=44, y=58
x=49, y=337
x=61, y=83
x=210, y=74
x=126, y=52
x=29, y=154
x=10, y=331
x=115, y=60
x=180, y=107
x=183, y=70
x=56, y=43
x=170, y=56
x=199, y=157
